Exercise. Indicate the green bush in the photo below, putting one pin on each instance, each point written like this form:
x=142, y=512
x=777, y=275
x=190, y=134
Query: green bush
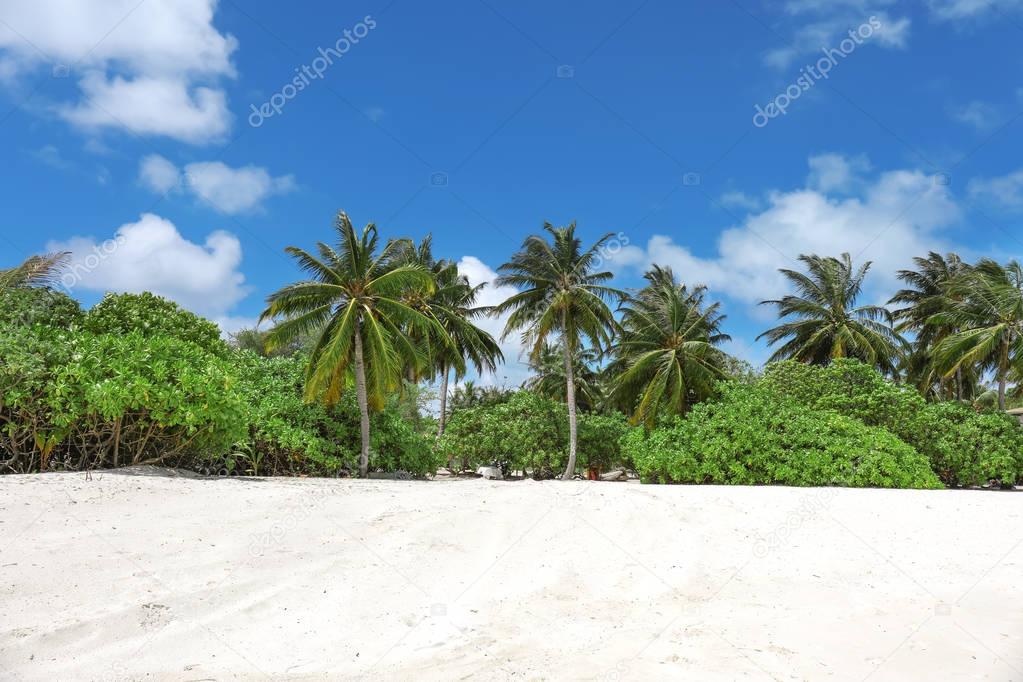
x=962, y=449
x=27, y=306
x=152, y=315
x=287, y=435
x=599, y=439
x=95, y=400
x=529, y=433
x=856, y=390
x=975, y=448
x=751, y=436
x=397, y=446
x=36, y=413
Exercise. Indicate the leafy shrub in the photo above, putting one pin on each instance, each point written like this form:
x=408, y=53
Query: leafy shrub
x=529, y=433
x=397, y=446
x=287, y=435
x=599, y=437
x=751, y=436
x=152, y=315
x=975, y=448
x=27, y=306
x=96, y=400
x=35, y=414
x=938, y=431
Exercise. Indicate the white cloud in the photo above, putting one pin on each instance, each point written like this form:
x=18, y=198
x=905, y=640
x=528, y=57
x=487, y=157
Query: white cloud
x=1005, y=191
x=234, y=190
x=151, y=255
x=829, y=22
x=981, y=115
x=515, y=368
x=818, y=24
x=894, y=217
x=153, y=65
x=151, y=106
x=836, y=173
x=741, y=200
x=159, y=174
x=967, y=9
x=226, y=189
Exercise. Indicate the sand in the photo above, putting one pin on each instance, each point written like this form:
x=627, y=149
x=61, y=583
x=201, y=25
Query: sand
x=156, y=577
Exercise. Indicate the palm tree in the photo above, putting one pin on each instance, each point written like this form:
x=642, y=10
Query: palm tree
x=35, y=271
x=988, y=311
x=561, y=296
x=929, y=293
x=549, y=377
x=452, y=305
x=353, y=306
x=827, y=322
x=667, y=352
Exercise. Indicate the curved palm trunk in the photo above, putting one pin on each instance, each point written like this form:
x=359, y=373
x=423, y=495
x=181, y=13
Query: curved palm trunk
x=570, y=396
x=1003, y=370
x=441, y=421
x=360, y=389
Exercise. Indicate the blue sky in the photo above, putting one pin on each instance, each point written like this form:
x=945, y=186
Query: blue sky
x=128, y=137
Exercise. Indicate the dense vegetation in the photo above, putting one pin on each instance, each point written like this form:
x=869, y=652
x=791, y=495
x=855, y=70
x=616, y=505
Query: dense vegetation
x=749, y=436
x=337, y=384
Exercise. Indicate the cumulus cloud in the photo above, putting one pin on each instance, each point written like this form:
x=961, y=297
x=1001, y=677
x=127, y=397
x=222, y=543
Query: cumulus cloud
x=226, y=189
x=836, y=173
x=152, y=67
x=151, y=106
x=159, y=174
x=893, y=217
x=515, y=368
x=234, y=190
x=152, y=255
x=1005, y=191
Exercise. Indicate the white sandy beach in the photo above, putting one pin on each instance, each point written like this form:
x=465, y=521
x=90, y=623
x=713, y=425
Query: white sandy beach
x=130, y=577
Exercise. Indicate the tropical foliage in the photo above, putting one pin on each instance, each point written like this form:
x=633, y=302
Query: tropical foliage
x=528, y=433
x=986, y=314
x=338, y=381
x=561, y=295
x=35, y=271
x=667, y=354
x=824, y=321
x=749, y=436
x=355, y=303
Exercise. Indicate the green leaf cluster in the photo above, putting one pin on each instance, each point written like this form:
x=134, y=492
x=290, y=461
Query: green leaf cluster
x=751, y=435
x=964, y=447
x=529, y=433
x=151, y=315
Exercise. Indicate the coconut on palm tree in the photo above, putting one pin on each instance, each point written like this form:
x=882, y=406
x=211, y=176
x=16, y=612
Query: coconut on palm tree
x=354, y=306
x=824, y=321
x=560, y=296
x=666, y=354
x=988, y=311
x=452, y=304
